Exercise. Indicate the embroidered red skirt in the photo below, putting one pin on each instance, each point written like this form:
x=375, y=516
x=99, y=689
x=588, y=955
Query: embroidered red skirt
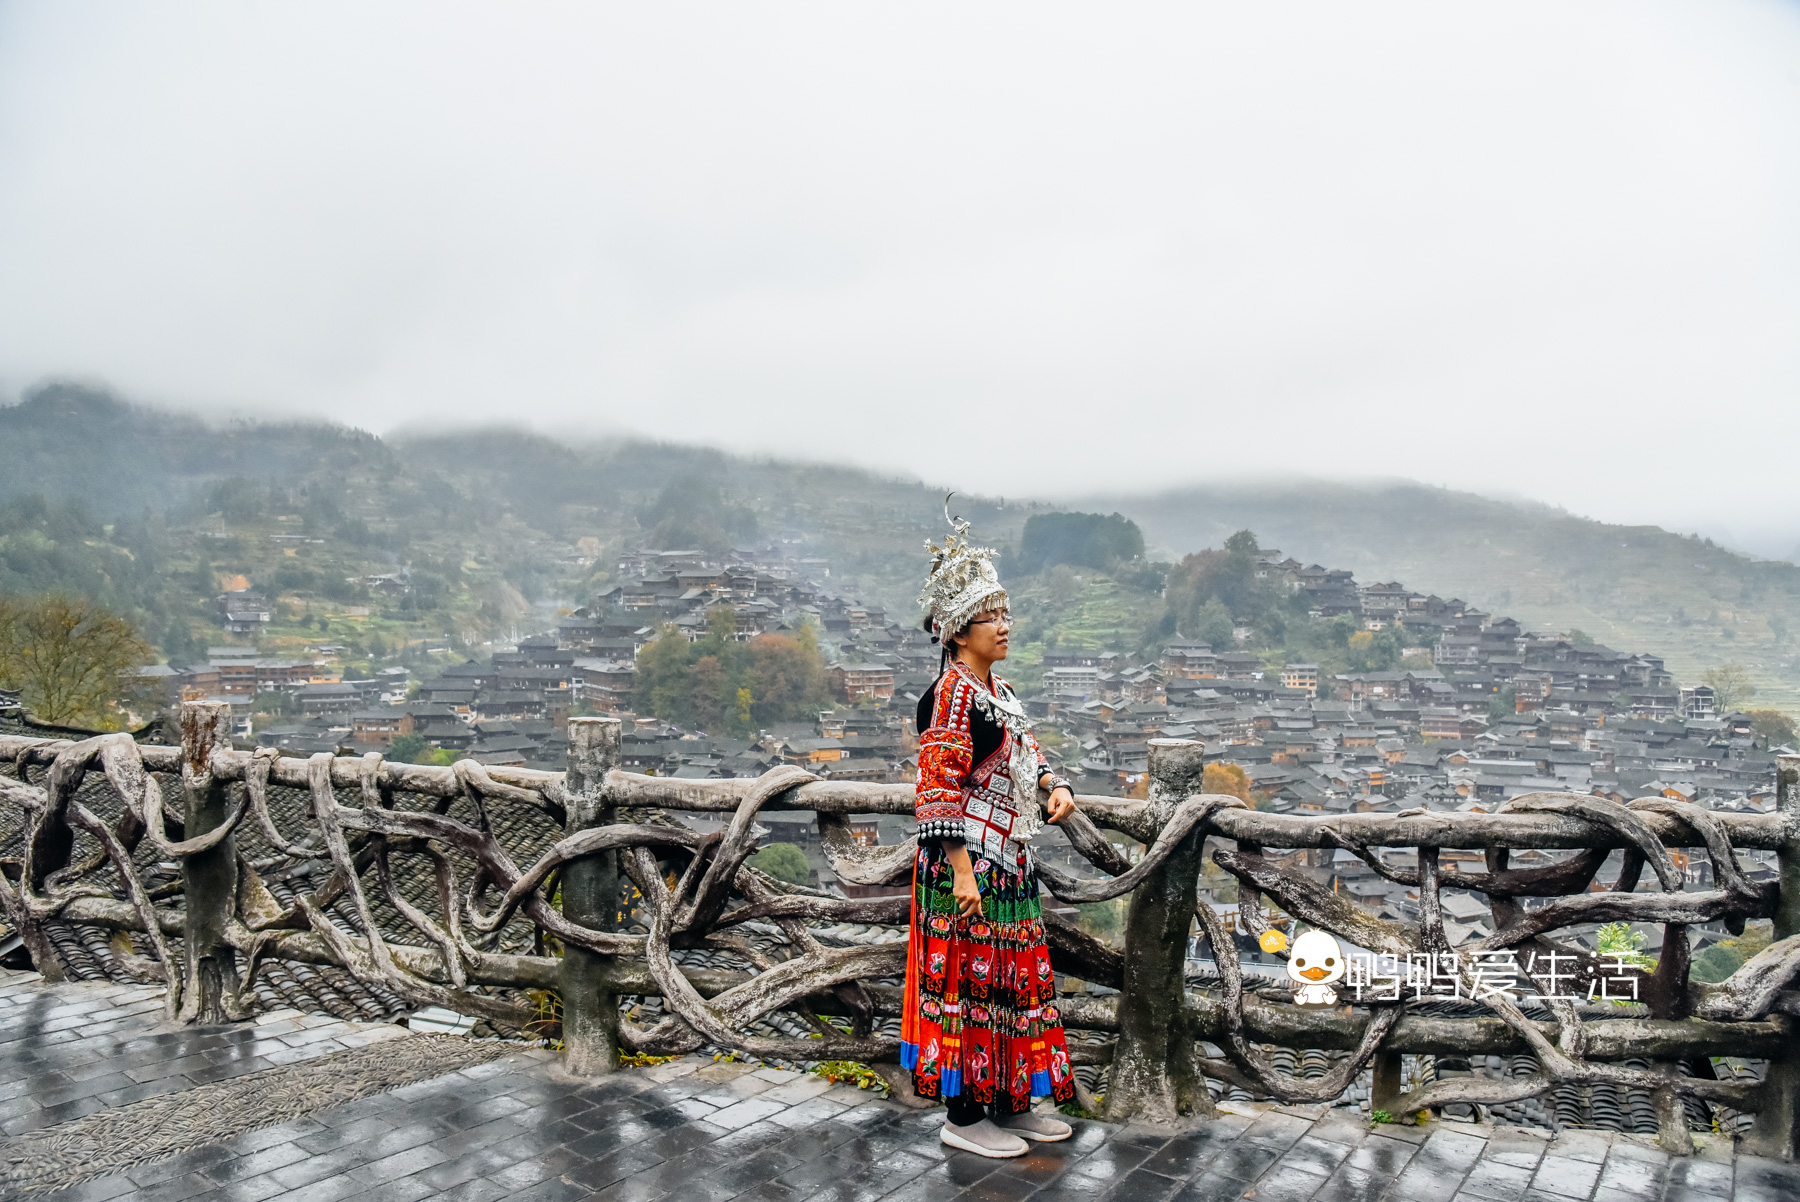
x=980, y=1012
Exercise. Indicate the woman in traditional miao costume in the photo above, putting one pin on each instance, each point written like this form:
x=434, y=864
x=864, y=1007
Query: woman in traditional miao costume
x=980, y=1026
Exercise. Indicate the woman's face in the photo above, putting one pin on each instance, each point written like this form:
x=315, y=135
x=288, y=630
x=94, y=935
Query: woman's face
x=987, y=634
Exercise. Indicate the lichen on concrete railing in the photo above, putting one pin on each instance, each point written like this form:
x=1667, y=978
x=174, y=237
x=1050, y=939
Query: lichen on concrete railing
x=369, y=824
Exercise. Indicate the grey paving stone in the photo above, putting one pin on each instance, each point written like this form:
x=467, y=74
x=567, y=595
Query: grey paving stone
x=1452, y=1149
x=1565, y=1177
x=175, y=1189
x=1516, y=1148
x=1188, y=1152
x=1286, y=1184
x=1351, y=1184
x=1382, y=1156
x=809, y=1112
x=1276, y=1130
x=1607, y=1194
x=256, y=1163
x=400, y=1164
x=1492, y=1179
x=326, y=1189
x=197, y=1160
x=1681, y=1193
x=609, y=1170
x=1108, y=1163
x=1210, y=1188
x=1340, y=1128
x=101, y=1189
x=1070, y=1189
x=1427, y=1181
x=1632, y=1175
x=1759, y=1179
x=479, y=1190
x=251, y=1189
x=1700, y=1177
x=355, y=1131
x=1243, y=1161
x=1580, y=1145
x=1313, y=1155
x=320, y=1166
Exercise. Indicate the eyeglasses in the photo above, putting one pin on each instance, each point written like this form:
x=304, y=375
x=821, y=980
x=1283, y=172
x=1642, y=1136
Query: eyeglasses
x=1000, y=620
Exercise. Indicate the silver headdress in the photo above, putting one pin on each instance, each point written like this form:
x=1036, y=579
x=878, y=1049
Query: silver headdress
x=963, y=582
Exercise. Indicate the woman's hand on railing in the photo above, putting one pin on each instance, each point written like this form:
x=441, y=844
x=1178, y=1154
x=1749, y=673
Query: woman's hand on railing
x=1062, y=803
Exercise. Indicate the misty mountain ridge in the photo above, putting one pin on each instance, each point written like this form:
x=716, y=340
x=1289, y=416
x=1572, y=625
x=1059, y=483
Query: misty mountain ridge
x=1634, y=587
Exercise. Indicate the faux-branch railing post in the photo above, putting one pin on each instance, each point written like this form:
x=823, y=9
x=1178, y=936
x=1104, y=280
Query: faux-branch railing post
x=229, y=922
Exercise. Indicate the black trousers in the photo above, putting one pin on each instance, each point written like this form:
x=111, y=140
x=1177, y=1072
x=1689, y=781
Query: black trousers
x=965, y=1110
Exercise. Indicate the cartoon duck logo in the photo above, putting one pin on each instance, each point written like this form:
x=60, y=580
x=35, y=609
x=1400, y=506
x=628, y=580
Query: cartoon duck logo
x=1317, y=962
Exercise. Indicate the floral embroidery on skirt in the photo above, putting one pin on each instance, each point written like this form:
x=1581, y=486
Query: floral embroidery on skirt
x=980, y=1010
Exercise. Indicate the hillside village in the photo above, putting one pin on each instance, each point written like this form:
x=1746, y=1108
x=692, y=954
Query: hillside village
x=1501, y=711
x=1470, y=709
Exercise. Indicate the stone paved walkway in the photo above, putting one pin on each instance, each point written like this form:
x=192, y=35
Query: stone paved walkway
x=694, y=1129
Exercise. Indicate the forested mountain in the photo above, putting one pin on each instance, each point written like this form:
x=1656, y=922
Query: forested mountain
x=494, y=530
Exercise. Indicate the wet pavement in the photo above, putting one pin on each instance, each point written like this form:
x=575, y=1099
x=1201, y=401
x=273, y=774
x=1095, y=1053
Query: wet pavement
x=697, y=1129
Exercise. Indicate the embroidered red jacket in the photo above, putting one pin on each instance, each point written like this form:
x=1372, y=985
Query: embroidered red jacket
x=948, y=772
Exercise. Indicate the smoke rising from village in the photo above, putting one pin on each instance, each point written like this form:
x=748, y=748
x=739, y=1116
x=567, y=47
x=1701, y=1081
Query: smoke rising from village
x=1534, y=249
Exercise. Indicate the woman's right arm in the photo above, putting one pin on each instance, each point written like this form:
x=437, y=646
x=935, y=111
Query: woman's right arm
x=946, y=757
x=968, y=893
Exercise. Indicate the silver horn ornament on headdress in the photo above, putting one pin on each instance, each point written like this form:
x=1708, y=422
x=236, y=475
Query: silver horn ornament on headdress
x=963, y=582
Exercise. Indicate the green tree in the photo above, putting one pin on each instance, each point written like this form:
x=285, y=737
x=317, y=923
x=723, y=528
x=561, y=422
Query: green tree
x=272, y=701
x=180, y=646
x=413, y=749
x=1620, y=940
x=787, y=677
x=1213, y=625
x=73, y=661
x=1728, y=955
x=1103, y=920
x=708, y=685
x=1092, y=540
x=1772, y=728
x=238, y=500
x=717, y=683
x=1375, y=651
x=690, y=511
x=784, y=862
x=1226, y=576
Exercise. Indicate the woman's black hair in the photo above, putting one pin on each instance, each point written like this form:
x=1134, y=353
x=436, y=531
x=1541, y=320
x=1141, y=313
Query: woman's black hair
x=944, y=644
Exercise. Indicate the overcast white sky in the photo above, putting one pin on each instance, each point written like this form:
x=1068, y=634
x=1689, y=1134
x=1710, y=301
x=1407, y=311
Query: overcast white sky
x=1544, y=249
